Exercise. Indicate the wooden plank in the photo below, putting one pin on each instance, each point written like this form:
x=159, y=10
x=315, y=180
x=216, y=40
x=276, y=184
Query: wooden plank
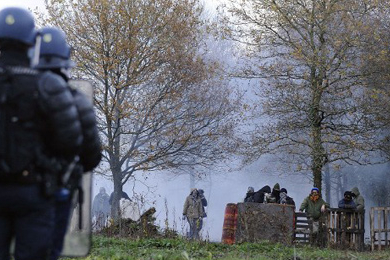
x=379, y=229
x=372, y=228
x=386, y=211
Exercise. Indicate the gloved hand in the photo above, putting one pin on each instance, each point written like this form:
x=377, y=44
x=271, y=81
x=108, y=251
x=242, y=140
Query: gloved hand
x=323, y=208
x=184, y=217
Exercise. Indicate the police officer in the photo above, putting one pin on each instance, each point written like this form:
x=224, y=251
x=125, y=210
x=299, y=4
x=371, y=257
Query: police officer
x=38, y=119
x=55, y=56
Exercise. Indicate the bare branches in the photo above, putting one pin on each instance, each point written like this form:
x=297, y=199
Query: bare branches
x=311, y=96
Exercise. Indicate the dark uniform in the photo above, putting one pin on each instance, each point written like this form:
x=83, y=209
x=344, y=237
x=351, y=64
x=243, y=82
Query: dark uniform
x=55, y=56
x=38, y=118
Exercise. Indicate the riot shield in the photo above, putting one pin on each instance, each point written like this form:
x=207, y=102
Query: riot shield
x=78, y=235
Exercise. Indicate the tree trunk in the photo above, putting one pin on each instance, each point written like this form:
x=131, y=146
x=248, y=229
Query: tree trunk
x=117, y=195
x=315, y=116
x=327, y=183
x=318, y=158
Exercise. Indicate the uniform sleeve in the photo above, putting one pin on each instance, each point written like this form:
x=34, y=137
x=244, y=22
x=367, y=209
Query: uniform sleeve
x=90, y=154
x=58, y=104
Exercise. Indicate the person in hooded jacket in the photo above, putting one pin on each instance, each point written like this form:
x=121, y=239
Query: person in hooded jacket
x=262, y=194
x=285, y=199
x=250, y=195
x=347, y=202
x=101, y=208
x=55, y=57
x=358, y=199
x=275, y=194
x=193, y=211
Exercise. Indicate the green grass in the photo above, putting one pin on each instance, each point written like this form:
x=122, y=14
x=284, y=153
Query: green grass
x=180, y=249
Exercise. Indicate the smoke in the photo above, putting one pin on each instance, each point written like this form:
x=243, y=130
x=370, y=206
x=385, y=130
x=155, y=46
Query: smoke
x=167, y=192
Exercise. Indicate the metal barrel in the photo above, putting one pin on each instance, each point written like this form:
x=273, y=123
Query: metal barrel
x=229, y=224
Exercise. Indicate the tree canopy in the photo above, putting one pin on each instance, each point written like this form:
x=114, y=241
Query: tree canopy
x=307, y=58
x=161, y=102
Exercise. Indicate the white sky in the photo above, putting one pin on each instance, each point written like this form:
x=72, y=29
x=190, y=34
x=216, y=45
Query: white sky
x=41, y=3
x=22, y=3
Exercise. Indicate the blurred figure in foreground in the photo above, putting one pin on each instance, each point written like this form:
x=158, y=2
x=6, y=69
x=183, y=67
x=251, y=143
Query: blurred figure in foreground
x=55, y=57
x=39, y=122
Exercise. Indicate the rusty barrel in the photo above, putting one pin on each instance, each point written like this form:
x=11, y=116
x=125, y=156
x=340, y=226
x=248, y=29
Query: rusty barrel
x=229, y=224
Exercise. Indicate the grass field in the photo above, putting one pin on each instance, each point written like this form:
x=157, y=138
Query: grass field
x=180, y=249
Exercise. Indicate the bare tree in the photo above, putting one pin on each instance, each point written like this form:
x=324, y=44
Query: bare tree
x=376, y=68
x=306, y=56
x=161, y=103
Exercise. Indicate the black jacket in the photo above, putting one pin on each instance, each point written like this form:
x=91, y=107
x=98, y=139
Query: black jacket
x=259, y=195
x=38, y=114
x=90, y=154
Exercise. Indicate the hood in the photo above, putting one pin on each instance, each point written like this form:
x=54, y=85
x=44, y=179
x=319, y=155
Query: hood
x=355, y=191
x=266, y=189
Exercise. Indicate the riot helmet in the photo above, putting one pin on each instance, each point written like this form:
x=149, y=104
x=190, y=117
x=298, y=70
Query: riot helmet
x=55, y=51
x=17, y=24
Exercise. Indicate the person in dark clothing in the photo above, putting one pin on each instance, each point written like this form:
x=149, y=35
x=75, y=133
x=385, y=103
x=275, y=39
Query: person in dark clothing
x=204, y=204
x=250, y=195
x=261, y=195
x=39, y=121
x=347, y=202
x=55, y=57
x=203, y=200
x=101, y=209
x=275, y=194
x=285, y=199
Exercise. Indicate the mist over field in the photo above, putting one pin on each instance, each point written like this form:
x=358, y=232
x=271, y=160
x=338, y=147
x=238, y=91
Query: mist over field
x=167, y=193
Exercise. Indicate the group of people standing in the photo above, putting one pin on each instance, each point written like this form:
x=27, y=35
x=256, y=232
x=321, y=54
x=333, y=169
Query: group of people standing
x=313, y=205
x=266, y=195
x=194, y=211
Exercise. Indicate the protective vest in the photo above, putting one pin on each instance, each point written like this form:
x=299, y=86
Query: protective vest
x=20, y=123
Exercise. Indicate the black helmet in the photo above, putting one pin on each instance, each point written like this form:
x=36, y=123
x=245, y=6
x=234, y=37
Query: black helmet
x=17, y=24
x=55, y=51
